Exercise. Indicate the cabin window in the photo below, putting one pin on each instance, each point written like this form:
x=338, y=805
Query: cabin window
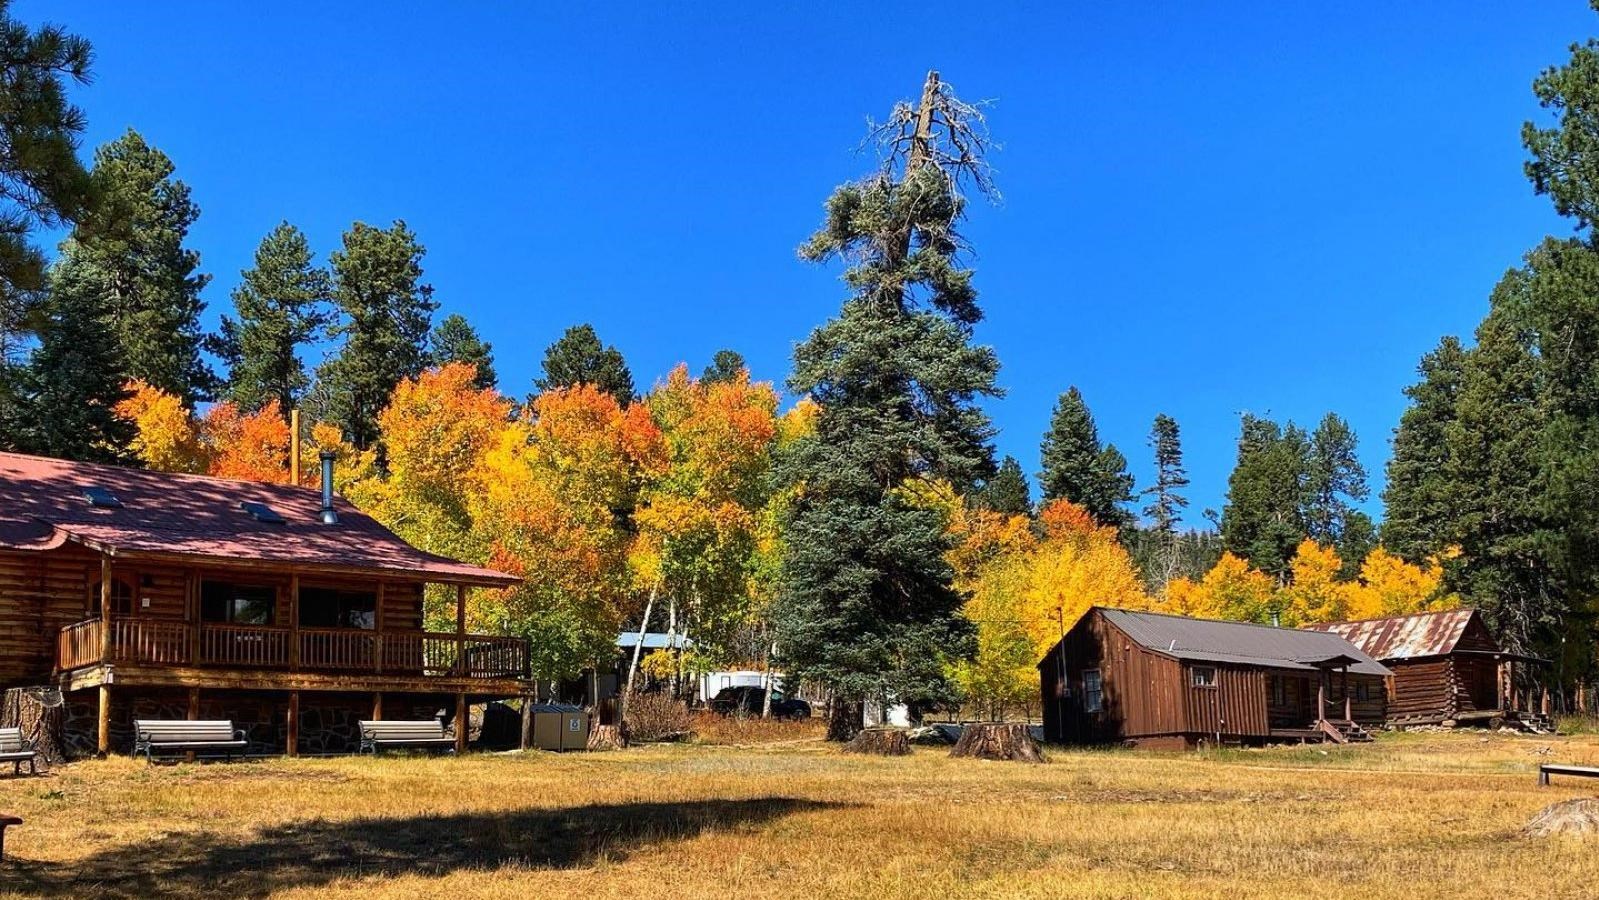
x=239, y=604
x=121, y=597
x=1278, y=686
x=335, y=608
x=1204, y=676
x=1362, y=690
x=1093, y=691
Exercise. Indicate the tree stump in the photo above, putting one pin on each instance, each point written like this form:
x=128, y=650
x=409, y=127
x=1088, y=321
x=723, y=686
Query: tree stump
x=39, y=712
x=997, y=740
x=1569, y=817
x=881, y=742
x=607, y=737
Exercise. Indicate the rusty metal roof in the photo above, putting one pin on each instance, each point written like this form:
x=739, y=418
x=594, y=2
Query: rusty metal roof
x=1405, y=637
x=1241, y=643
x=43, y=503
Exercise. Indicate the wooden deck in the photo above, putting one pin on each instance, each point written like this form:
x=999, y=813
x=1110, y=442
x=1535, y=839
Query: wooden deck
x=174, y=652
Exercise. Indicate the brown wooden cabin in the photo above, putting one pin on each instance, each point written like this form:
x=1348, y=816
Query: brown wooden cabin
x=149, y=595
x=1448, y=667
x=1163, y=681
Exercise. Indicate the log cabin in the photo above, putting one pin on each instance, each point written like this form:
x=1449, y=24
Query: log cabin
x=143, y=594
x=1161, y=681
x=1449, y=669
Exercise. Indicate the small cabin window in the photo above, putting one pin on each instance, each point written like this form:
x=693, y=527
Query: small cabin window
x=1204, y=676
x=1278, y=686
x=1093, y=691
x=1362, y=690
x=239, y=604
x=121, y=597
x=334, y=608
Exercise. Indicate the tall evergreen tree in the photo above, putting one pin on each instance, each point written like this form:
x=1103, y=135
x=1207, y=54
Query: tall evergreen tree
x=1335, y=482
x=454, y=340
x=580, y=358
x=1418, y=504
x=1267, y=495
x=866, y=605
x=726, y=365
x=75, y=377
x=133, y=239
x=1166, y=504
x=1007, y=492
x=282, y=305
x=42, y=183
x=385, y=314
x=1077, y=467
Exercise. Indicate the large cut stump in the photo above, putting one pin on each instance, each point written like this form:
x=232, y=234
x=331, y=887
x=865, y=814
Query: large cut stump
x=39, y=712
x=998, y=740
x=881, y=742
x=607, y=737
x=1578, y=818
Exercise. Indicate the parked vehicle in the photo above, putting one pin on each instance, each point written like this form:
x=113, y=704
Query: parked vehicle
x=747, y=700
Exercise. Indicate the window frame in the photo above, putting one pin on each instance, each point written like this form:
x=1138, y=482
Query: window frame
x=1093, y=698
x=340, y=596
x=231, y=609
x=1194, y=678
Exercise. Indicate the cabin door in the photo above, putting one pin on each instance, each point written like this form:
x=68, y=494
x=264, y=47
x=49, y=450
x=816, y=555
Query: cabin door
x=1480, y=679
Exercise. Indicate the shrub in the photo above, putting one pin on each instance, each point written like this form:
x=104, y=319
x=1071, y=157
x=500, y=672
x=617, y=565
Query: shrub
x=656, y=717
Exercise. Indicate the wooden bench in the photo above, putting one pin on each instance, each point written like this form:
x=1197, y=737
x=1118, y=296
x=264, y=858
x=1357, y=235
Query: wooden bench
x=1547, y=769
x=16, y=749
x=424, y=734
x=6, y=822
x=213, y=737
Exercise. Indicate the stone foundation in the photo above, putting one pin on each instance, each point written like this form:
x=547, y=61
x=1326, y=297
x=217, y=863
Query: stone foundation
x=329, y=722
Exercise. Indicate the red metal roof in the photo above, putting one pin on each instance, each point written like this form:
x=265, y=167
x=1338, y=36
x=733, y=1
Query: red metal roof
x=195, y=516
x=1404, y=637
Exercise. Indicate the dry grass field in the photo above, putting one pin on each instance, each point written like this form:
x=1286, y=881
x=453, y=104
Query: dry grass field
x=1410, y=816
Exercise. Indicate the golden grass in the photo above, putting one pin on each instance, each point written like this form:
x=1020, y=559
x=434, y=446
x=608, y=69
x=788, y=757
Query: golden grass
x=1410, y=816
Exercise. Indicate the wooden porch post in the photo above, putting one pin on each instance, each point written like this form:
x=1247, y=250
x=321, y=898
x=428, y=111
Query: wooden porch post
x=292, y=744
x=194, y=616
x=527, y=721
x=460, y=630
x=294, y=621
x=377, y=628
x=1321, y=697
x=1348, y=716
x=377, y=706
x=105, y=611
x=194, y=713
x=462, y=724
x=103, y=744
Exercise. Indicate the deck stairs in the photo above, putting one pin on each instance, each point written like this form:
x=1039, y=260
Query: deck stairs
x=1344, y=731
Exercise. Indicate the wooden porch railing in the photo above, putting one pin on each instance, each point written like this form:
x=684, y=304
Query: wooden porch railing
x=78, y=644
x=171, y=643
x=250, y=646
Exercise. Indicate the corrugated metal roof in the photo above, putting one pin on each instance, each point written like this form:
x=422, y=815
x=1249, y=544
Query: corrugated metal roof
x=653, y=640
x=1405, y=637
x=1239, y=643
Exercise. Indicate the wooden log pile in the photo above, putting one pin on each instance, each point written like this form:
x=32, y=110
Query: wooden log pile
x=1009, y=741
x=881, y=742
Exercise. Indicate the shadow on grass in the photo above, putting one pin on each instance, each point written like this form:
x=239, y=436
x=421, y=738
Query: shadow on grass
x=315, y=852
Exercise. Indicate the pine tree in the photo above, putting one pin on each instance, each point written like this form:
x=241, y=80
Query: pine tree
x=133, y=239
x=1418, y=508
x=282, y=304
x=867, y=606
x=1335, y=482
x=1007, y=492
x=42, y=183
x=455, y=340
x=1166, y=505
x=726, y=365
x=579, y=358
x=385, y=313
x=1077, y=467
x=1267, y=496
x=75, y=377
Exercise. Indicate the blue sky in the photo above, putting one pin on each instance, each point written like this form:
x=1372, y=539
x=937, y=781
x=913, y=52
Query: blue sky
x=1267, y=207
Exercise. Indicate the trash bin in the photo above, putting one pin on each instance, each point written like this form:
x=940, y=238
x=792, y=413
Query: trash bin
x=560, y=726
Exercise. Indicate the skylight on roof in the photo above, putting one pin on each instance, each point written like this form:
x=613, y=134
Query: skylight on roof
x=101, y=497
x=261, y=512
